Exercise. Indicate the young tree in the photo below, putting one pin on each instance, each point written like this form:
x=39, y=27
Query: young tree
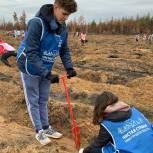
x=16, y=21
x=23, y=21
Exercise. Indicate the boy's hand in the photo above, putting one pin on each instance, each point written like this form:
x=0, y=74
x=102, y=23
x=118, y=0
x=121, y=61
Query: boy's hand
x=71, y=72
x=53, y=78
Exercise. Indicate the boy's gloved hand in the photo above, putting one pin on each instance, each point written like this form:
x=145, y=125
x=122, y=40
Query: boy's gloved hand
x=52, y=77
x=71, y=72
x=81, y=150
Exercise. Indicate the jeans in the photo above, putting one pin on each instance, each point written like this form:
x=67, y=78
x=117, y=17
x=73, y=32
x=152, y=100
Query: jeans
x=36, y=91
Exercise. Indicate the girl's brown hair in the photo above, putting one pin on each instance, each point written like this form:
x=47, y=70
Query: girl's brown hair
x=102, y=101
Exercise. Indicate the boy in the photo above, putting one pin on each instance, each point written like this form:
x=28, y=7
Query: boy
x=45, y=39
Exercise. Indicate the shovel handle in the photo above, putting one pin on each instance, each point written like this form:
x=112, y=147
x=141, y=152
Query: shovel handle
x=74, y=128
x=63, y=78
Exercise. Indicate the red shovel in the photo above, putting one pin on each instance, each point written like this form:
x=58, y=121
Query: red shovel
x=74, y=127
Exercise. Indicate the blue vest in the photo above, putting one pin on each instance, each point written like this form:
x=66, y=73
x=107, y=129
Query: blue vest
x=50, y=45
x=134, y=135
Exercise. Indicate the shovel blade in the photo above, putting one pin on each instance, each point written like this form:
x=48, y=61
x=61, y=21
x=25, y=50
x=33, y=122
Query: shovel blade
x=76, y=135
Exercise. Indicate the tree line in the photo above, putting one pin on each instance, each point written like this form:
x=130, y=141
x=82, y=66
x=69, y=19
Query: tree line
x=128, y=25
x=114, y=26
x=19, y=22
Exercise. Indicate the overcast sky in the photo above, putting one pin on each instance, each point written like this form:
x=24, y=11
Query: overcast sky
x=90, y=9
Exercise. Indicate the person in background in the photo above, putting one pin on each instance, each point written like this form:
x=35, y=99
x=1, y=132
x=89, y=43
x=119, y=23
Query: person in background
x=76, y=34
x=137, y=37
x=22, y=34
x=6, y=51
x=122, y=129
x=83, y=38
x=45, y=39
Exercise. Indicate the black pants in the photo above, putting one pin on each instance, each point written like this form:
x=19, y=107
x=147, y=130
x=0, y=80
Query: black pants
x=96, y=150
x=5, y=57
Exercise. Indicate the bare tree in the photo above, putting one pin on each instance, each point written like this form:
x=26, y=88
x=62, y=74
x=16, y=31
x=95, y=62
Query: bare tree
x=23, y=20
x=16, y=21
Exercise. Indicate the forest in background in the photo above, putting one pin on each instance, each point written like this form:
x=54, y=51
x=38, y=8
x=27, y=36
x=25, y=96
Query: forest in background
x=126, y=25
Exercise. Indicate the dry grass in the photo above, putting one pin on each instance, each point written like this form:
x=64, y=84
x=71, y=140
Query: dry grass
x=107, y=62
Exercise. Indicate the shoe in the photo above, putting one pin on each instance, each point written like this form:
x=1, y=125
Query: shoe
x=50, y=132
x=42, y=138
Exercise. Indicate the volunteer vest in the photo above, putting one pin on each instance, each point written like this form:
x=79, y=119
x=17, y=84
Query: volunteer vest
x=134, y=135
x=49, y=49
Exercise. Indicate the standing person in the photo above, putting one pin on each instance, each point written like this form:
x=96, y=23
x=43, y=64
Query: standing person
x=150, y=38
x=45, y=39
x=137, y=37
x=144, y=37
x=83, y=38
x=122, y=129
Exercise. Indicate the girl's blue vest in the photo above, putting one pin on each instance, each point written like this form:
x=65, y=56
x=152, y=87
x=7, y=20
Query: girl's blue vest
x=49, y=49
x=134, y=135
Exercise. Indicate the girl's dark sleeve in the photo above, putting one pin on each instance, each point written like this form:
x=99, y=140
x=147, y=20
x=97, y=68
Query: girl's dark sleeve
x=101, y=140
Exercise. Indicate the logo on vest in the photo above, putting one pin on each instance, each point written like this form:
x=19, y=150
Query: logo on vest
x=132, y=129
x=50, y=56
x=59, y=40
x=60, y=43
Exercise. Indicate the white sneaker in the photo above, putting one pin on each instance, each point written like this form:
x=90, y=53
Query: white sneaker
x=50, y=132
x=42, y=138
x=81, y=150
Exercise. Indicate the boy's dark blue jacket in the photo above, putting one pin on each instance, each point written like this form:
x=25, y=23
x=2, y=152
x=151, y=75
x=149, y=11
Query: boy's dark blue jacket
x=43, y=42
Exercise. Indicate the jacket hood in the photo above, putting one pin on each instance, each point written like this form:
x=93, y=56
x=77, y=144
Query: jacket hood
x=119, y=111
x=119, y=106
x=47, y=14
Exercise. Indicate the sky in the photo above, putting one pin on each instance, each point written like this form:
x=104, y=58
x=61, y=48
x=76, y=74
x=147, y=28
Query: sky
x=91, y=9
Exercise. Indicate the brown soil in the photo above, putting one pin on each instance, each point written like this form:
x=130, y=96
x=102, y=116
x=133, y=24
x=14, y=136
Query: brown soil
x=115, y=63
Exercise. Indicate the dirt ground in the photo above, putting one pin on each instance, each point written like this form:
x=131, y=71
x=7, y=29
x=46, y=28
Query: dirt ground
x=107, y=62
